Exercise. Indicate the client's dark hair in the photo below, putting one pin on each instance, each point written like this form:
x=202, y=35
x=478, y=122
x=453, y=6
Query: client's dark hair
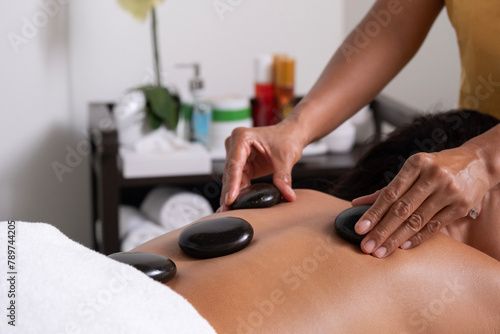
x=429, y=133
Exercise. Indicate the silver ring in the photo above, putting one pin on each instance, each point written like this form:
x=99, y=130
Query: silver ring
x=473, y=213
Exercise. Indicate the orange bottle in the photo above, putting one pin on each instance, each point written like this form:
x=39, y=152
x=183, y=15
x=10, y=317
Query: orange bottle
x=284, y=86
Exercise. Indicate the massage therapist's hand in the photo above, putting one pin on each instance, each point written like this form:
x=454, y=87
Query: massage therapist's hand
x=257, y=152
x=430, y=191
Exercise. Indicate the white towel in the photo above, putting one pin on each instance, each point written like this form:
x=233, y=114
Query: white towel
x=129, y=219
x=174, y=208
x=141, y=234
x=64, y=287
x=134, y=228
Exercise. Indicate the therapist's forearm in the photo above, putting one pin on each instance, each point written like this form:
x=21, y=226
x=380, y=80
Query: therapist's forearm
x=357, y=73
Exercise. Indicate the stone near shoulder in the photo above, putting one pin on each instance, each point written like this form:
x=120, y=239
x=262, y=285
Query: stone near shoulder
x=259, y=195
x=345, y=221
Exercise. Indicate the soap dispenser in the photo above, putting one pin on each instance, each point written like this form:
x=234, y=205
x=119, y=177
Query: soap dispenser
x=201, y=112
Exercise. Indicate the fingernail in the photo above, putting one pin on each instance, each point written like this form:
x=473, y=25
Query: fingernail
x=362, y=226
x=406, y=245
x=380, y=252
x=225, y=198
x=370, y=245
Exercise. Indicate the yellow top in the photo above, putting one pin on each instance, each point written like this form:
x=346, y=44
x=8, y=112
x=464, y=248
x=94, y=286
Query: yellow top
x=477, y=24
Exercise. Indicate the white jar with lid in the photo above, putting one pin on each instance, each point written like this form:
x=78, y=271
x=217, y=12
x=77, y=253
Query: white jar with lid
x=228, y=113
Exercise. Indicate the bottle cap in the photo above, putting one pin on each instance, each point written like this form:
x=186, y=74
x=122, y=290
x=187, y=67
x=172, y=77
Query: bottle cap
x=264, y=69
x=196, y=83
x=285, y=72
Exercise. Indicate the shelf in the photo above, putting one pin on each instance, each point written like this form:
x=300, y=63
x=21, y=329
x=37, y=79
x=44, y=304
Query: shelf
x=321, y=164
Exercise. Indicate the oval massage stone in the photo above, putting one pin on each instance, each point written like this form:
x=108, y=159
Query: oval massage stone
x=259, y=195
x=215, y=237
x=158, y=267
x=345, y=221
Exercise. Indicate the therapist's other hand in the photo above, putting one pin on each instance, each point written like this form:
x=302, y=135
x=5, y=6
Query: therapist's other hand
x=257, y=152
x=430, y=191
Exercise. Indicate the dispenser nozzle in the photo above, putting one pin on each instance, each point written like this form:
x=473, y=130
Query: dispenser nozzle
x=196, y=82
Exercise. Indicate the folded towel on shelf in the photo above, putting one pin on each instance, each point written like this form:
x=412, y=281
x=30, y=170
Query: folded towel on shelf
x=64, y=287
x=160, y=141
x=161, y=153
x=174, y=208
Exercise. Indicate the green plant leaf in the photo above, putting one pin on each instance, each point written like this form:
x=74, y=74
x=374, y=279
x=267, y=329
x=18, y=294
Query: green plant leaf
x=153, y=121
x=162, y=105
x=139, y=8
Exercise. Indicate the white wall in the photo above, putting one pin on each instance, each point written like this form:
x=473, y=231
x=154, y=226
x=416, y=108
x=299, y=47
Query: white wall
x=113, y=53
x=36, y=121
x=92, y=50
x=430, y=82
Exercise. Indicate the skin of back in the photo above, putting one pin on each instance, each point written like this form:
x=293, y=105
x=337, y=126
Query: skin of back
x=298, y=276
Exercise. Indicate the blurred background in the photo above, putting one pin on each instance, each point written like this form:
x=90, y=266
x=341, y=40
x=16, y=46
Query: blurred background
x=52, y=65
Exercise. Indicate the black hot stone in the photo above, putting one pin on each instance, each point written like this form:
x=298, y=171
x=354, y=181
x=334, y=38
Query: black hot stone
x=259, y=195
x=215, y=237
x=158, y=267
x=345, y=221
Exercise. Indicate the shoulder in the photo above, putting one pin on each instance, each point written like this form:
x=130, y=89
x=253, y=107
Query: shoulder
x=308, y=196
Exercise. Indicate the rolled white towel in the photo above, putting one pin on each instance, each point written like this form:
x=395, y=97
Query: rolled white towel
x=174, y=208
x=145, y=232
x=131, y=219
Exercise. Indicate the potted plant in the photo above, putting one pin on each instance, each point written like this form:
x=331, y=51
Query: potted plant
x=160, y=105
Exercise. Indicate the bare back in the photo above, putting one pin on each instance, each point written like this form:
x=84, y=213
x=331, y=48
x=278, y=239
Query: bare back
x=297, y=276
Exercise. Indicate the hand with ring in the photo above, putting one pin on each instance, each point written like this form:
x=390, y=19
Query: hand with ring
x=430, y=191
